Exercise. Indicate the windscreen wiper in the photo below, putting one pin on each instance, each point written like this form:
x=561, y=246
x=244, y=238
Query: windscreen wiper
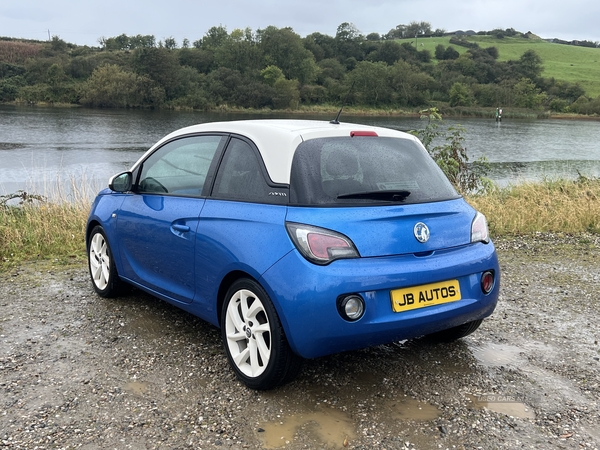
x=386, y=196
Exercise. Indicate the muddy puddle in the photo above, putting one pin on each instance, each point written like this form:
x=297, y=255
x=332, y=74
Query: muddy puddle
x=137, y=387
x=334, y=428
x=494, y=355
x=328, y=426
x=330, y=416
x=503, y=404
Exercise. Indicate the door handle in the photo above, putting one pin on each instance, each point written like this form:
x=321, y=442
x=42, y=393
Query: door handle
x=181, y=228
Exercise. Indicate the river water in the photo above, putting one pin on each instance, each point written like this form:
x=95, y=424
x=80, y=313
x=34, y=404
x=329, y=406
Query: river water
x=51, y=151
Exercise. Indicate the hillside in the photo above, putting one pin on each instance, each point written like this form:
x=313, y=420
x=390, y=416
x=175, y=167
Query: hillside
x=563, y=62
x=277, y=69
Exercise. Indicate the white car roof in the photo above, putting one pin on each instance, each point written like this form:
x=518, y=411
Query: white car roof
x=277, y=139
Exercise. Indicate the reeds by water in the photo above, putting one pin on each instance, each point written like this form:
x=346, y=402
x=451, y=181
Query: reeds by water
x=54, y=230
x=49, y=227
x=561, y=206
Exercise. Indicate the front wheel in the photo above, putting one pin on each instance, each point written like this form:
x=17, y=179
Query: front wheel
x=452, y=334
x=102, y=265
x=253, y=337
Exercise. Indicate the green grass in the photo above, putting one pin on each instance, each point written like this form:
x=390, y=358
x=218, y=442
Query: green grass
x=562, y=62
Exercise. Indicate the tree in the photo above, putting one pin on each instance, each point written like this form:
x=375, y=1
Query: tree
x=271, y=74
x=348, y=40
x=120, y=42
x=451, y=156
x=412, y=87
x=389, y=52
x=417, y=29
x=445, y=53
x=222, y=84
x=460, y=95
x=284, y=48
x=240, y=52
x=58, y=45
x=111, y=86
x=170, y=43
x=215, y=37
x=371, y=83
x=528, y=95
x=530, y=65
x=142, y=41
x=287, y=94
x=396, y=33
x=492, y=94
x=320, y=45
x=439, y=52
x=200, y=59
x=162, y=66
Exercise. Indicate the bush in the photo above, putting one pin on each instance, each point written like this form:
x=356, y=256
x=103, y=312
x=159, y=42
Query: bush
x=451, y=155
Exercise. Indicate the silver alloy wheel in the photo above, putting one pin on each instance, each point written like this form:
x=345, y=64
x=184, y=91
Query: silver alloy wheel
x=99, y=261
x=248, y=333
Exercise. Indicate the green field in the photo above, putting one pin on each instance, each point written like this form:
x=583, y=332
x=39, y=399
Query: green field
x=562, y=62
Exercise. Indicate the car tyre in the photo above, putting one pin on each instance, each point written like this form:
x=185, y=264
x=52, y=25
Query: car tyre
x=254, y=339
x=103, y=271
x=452, y=334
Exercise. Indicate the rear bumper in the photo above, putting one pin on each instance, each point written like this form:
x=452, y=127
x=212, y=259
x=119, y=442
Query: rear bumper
x=305, y=296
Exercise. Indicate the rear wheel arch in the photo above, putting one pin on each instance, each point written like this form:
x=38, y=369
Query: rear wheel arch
x=226, y=283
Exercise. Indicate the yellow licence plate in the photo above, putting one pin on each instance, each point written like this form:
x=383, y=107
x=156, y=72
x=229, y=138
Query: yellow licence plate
x=425, y=295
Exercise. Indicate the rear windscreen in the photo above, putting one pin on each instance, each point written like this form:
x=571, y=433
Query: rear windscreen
x=366, y=171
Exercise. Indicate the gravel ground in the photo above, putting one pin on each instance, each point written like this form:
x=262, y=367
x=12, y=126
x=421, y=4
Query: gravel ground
x=79, y=371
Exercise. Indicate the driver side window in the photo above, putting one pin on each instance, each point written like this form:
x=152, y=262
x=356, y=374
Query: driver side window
x=179, y=167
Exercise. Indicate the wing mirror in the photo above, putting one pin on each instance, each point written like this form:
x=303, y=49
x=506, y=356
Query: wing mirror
x=121, y=182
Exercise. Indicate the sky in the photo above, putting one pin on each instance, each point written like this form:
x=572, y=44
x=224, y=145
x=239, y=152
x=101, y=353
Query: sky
x=84, y=22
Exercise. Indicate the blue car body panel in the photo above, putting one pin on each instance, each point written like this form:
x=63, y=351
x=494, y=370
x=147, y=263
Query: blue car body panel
x=388, y=230
x=236, y=237
x=307, y=294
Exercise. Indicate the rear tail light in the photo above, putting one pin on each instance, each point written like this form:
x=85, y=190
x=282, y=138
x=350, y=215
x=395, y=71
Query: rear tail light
x=487, y=282
x=319, y=245
x=479, y=229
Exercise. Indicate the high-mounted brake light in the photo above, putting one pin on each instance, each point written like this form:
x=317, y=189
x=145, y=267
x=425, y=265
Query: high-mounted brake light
x=362, y=133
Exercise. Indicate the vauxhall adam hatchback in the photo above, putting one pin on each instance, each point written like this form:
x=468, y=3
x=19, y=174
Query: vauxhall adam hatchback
x=298, y=239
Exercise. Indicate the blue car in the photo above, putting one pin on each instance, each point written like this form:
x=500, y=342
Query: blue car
x=297, y=238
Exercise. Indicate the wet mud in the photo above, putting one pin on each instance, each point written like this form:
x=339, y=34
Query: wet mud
x=78, y=371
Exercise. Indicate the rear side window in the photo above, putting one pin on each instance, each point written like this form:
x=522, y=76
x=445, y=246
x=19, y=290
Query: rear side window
x=365, y=171
x=240, y=175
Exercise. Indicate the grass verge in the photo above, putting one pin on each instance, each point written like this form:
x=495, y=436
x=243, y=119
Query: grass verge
x=54, y=232
x=33, y=228
x=560, y=206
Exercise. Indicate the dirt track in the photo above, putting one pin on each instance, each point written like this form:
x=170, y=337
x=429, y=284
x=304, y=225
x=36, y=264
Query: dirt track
x=78, y=371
